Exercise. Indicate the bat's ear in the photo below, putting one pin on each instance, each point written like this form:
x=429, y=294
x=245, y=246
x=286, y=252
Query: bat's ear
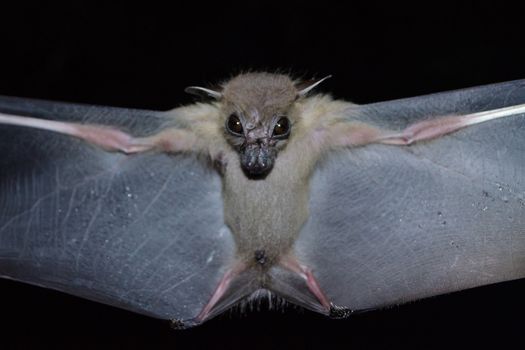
x=305, y=87
x=203, y=92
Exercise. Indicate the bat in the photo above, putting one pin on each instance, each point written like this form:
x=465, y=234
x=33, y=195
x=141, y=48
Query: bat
x=264, y=189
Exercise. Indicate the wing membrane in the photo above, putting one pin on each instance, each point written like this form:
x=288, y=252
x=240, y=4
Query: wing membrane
x=389, y=224
x=143, y=232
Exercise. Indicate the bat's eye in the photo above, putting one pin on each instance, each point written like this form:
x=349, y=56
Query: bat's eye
x=282, y=128
x=234, y=125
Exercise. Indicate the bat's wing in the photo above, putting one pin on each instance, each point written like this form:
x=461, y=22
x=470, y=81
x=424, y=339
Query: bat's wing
x=143, y=232
x=389, y=224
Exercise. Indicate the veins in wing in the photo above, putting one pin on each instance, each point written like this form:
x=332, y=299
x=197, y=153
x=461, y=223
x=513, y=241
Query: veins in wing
x=56, y=190
x=177, y=283
x=444, y=167
x=66, y=217
x=141, y=272
x=142, y=214
x=174, y=241
x=94, y=216
x=451, y=170
x=165, y=287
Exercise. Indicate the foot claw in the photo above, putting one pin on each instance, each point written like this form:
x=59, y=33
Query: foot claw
x=182, y=324
x=339, y=312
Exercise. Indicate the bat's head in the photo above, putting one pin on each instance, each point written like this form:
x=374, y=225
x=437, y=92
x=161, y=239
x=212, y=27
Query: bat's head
x=258, y=116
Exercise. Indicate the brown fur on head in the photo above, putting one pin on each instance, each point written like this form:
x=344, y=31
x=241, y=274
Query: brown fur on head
x=259, y=95
x=258, y=122
x=259, y=102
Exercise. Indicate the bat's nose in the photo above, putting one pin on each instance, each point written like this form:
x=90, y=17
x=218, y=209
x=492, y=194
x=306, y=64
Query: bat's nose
x=257, y=160
x=263, y=141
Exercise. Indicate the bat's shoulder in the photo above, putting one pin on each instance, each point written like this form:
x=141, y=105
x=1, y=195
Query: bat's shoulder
x=321, y=109
x=195, y=113
x=202, y=119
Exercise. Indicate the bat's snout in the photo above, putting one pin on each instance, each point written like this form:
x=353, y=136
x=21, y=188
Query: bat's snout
x=257, y=160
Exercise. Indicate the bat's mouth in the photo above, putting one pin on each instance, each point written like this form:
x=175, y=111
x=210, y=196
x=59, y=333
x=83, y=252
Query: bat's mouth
x=257, y=160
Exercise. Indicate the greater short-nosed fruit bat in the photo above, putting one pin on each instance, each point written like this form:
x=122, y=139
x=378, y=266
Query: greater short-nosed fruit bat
x=265, y=189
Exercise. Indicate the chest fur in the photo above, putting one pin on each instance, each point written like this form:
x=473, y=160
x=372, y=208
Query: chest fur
x=266, y=215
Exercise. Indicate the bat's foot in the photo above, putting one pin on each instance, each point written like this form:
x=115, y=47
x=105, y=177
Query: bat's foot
x=182, y=324
x=291, y=263
x=339, y=312
x=222, y=287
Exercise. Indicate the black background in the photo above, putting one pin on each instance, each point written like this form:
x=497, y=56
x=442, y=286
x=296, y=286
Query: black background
x=142, y=56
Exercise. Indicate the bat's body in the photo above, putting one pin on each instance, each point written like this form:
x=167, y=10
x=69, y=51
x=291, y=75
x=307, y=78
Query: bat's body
x=274, y=209
x=265, y=215
x=277, y=159
x=277, y=209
